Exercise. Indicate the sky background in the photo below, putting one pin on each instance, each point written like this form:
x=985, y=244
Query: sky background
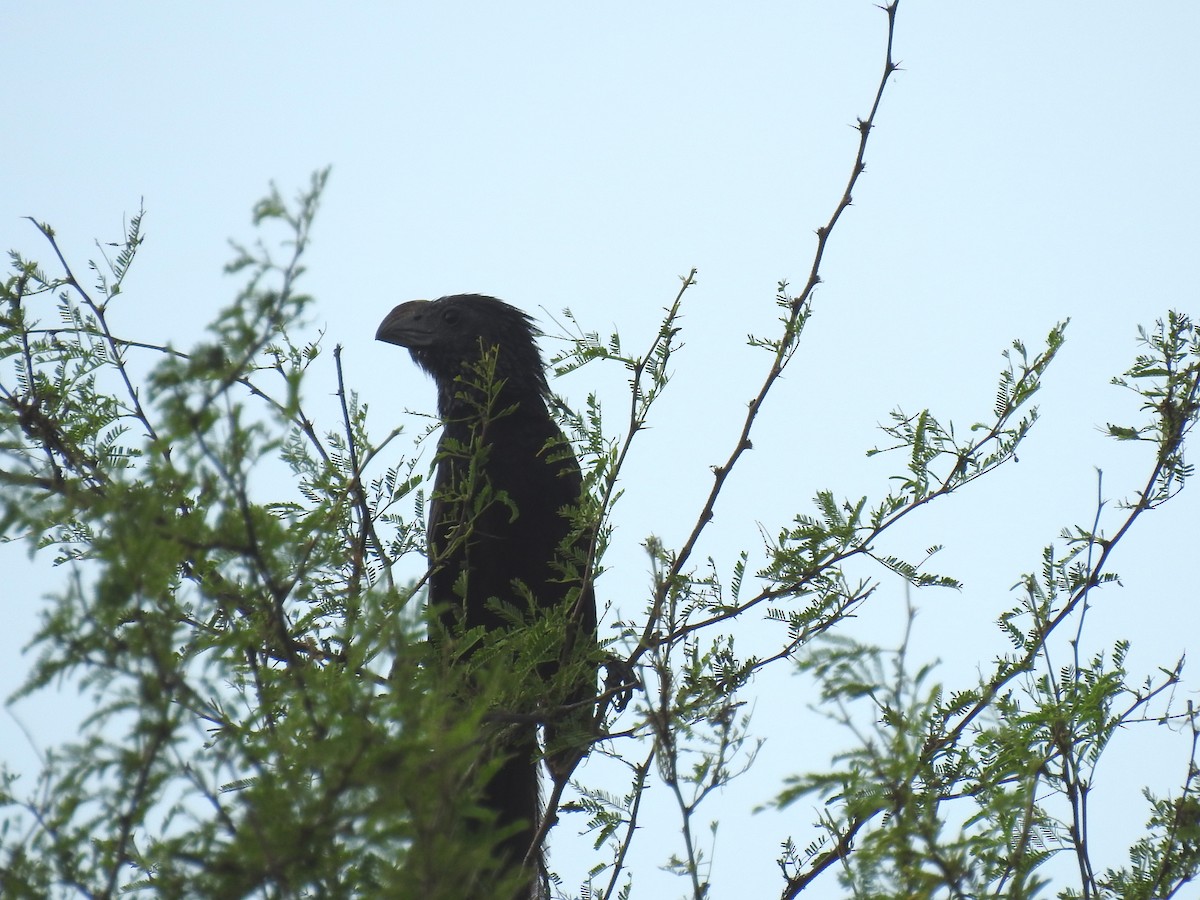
x=1031, y=162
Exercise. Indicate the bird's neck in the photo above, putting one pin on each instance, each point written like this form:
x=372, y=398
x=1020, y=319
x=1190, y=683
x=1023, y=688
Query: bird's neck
x=461, y=402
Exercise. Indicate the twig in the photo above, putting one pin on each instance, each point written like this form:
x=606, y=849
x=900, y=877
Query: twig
x=783, y=351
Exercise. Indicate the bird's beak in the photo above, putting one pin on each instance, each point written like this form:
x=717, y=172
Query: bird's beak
x=408, y=325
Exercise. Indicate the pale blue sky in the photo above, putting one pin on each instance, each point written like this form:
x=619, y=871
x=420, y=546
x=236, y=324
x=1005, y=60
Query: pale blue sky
x=1032, y=161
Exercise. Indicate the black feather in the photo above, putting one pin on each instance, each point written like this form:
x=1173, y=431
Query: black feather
x=500, y=519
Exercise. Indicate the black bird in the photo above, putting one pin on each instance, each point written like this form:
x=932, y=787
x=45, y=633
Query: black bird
x=503, y=544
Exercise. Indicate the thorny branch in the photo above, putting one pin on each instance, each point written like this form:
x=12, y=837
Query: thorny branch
x=799, y=307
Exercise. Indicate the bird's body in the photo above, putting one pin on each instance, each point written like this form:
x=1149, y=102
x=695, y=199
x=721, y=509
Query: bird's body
x=504, y=547
x=517, y=456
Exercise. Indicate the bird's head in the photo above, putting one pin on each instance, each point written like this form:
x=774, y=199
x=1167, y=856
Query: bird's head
x=448, y=336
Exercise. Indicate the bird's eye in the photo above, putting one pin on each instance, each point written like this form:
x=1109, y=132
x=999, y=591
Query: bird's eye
x=450, y=316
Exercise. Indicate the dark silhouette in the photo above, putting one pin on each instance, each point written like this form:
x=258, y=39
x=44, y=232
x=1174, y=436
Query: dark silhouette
x=503, y=545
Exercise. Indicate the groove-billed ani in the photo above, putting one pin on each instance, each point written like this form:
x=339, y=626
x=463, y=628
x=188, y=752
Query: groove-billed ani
x=501, y=533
